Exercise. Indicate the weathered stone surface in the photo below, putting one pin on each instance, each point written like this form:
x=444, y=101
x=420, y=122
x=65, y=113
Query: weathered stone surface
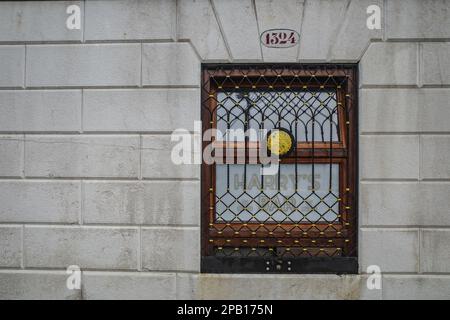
x=11, y=246
x=405, y=110
x=240, y=28
x=170, y=249
x=86, y=247
x=170, y=64
x=77, y=65
x=11, y=155
x=393, y=250
x=267, y=286
x=37, y=21
x=130, y=20
x=284, y=14
x=436, y=63
x=414, y=19
x=404, y=204
x=436, y=110
x=389, y=63
x=35, y=284
x=157, y=163
x=40, y=201
x=205, y=33
x=354, y=36
x=435, y=162
x=82, y=156
x=97, y=150
x=142, y=202
x=390, y=110
x=140, y=110
x=416, y=287
x=12, y=66
x=128, y=286
x=389, y=157
x=336, y=30
x=390, y=203
x=320, y=17
x=435, y=250
x=40, y=110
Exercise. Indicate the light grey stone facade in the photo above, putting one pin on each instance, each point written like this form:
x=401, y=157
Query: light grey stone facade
x=85, y=122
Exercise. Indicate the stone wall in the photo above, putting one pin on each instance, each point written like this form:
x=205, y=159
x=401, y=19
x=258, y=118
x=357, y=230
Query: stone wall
x=85, y=123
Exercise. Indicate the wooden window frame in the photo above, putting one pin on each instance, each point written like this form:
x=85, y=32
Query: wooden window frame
x=344, y=153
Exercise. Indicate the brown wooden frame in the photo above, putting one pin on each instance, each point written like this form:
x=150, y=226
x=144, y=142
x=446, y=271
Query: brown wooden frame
x=342, y=234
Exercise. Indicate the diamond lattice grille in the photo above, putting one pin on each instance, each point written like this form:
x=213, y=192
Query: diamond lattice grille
x=306, y=209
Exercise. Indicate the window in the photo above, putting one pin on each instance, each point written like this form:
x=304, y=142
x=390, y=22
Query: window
x=302, y=218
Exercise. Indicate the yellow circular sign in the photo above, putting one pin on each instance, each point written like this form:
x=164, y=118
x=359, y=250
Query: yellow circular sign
x=280, y=142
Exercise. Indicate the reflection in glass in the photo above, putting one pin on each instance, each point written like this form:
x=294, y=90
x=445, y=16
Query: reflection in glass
x=309, y=115
x=295, y=195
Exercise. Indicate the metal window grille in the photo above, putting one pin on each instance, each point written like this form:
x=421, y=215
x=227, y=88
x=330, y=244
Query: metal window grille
x=302, y=219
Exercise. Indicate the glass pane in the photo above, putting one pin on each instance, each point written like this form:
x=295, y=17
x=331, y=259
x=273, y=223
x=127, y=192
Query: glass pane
x=309, y=115
x=286, y=197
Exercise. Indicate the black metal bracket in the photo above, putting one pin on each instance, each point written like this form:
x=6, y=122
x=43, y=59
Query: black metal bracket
x=332, y=265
